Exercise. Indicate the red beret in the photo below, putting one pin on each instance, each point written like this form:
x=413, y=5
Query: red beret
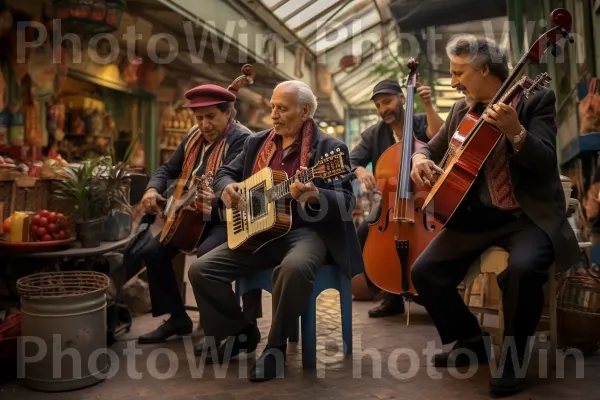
x=208, y=95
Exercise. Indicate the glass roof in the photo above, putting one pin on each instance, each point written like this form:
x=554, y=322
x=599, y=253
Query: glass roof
x=334, y=29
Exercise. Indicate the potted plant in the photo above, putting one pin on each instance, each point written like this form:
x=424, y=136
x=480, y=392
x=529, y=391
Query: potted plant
x=119, y=220
x=83, y=188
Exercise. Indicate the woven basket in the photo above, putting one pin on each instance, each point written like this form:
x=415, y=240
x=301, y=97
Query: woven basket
x=578, y=312
x=48, y=285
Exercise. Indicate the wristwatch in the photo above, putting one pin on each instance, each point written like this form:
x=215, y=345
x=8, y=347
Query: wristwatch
x=518, y=137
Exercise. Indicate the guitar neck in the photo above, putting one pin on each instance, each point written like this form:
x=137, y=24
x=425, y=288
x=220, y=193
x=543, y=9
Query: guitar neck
x=283, y=189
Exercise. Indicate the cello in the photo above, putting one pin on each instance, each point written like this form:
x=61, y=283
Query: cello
x=398, y=237
x=475, y=139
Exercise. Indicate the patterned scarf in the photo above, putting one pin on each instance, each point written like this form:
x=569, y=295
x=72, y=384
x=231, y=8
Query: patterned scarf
x=269, y=148
x=497, y=174
x=192, y=148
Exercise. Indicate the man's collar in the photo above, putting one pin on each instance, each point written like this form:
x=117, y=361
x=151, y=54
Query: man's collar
x=278, y=139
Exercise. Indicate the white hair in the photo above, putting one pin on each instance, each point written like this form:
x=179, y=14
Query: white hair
x=304, y=93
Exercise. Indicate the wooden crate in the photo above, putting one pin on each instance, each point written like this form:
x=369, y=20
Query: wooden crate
x=24, y=193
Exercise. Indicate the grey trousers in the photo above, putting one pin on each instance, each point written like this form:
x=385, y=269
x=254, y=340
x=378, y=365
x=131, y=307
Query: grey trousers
x=296, y=258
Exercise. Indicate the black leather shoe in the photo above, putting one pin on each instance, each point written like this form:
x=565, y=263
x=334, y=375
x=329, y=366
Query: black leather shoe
x=172, y=327
x=462, y=350
x=392, y=305
x=244, y=342
x=270, y=365
x=508, y=383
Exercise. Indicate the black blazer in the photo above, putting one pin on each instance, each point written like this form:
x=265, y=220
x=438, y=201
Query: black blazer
x=168, y=173
x=378, y=138
x=533, y=170
x=334, y=221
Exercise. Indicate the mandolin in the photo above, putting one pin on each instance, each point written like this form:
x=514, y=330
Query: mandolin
x=266, y=214
x=475, y=139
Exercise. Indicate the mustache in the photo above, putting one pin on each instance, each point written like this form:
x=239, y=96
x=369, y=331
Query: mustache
x=460, y=88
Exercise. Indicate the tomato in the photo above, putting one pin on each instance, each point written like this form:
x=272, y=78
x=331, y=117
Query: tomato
x=51, y=228
x=6, y=225
x=62, y=235
x=47, y=238
x=44, y=213
x=41, y=232
x=52, y=217
x=43, y=222
x=34, y=229
x=35, y=220
x=61, y=217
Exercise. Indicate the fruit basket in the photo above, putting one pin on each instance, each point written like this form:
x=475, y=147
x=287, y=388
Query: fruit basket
x=35, y=232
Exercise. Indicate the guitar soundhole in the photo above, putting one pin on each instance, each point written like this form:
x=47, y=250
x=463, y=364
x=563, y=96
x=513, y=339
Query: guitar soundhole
x=258, y=207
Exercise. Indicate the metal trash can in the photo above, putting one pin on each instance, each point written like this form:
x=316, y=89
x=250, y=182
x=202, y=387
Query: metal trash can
x=63, y=343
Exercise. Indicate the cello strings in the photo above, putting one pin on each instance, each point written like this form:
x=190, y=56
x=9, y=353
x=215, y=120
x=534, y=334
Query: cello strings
x=407, y=150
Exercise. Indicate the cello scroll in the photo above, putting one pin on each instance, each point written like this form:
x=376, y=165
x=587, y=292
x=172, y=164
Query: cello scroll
x=243, y=80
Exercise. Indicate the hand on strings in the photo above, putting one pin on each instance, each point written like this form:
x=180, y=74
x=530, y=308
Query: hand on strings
x=304, y=192
x=424, y=171
x=505, y=118
x=365, y=177
x=232, y=196
x=153, y=202
x=204, y=201
x=424, y=92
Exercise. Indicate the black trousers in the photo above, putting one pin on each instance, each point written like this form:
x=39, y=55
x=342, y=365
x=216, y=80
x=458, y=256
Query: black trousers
x=362, y=232
x=164, y=291
x=443, y=265
x=296, y=259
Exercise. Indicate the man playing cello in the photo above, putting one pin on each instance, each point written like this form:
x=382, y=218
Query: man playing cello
x=530, y=223
x=216, y=140
x=389, y=100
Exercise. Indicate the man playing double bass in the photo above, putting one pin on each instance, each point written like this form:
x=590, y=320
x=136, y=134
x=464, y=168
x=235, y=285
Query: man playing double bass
x=524, y=214
x=216, y=140
x=389, y=100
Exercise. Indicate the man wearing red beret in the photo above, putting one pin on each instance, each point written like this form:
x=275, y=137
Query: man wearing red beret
x=216, y=140
x=321, y=232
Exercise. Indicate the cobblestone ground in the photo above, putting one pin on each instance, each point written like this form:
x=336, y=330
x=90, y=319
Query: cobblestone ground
x=387, y=363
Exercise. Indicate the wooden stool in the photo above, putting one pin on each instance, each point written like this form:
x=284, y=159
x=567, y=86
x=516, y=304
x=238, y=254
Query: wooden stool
x=491, y=263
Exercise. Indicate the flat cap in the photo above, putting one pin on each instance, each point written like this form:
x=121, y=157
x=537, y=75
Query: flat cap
x=387, y=86
x=208, y=95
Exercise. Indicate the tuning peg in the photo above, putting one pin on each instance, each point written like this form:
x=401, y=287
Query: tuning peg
x=567, y=35
x=337, y=150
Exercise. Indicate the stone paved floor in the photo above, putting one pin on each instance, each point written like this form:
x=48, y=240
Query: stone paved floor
x=387, y=363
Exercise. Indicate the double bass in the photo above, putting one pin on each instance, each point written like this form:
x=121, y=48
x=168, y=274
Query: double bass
x=475, y=139
x=184, y=223
x=403, y=230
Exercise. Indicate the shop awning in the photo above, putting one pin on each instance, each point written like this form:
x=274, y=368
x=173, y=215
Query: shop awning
x=413, y=15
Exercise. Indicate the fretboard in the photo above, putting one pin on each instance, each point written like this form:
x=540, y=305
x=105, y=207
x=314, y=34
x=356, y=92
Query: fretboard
x=283, y=189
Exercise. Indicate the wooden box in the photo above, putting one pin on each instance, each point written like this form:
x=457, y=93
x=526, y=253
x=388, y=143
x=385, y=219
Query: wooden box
x=24, y=193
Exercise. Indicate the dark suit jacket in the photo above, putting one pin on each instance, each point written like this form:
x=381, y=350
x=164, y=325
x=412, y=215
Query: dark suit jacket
x=334, y=220
x=168, y=173
x=378, y=138
x=533, y=170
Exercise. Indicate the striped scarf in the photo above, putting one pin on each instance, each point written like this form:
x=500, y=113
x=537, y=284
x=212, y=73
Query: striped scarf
x=269, y=148
x=192, y=149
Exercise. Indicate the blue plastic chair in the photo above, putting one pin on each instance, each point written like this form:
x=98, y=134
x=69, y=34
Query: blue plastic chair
x=329, y=277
